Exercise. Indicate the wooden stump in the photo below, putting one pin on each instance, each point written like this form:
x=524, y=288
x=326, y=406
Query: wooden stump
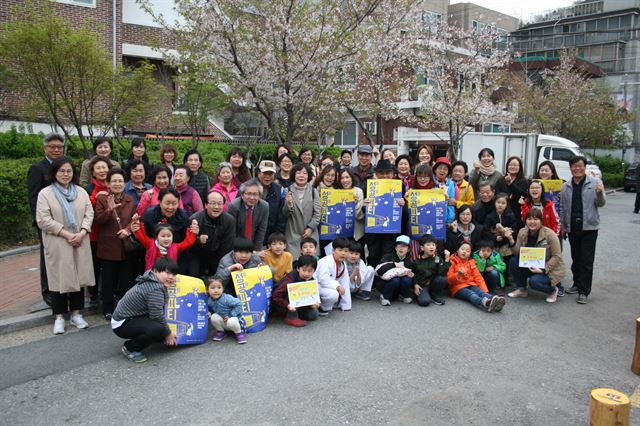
x=635, y=364
x=608, y=407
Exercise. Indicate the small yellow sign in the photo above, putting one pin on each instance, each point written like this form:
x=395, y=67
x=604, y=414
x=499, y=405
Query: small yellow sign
x=532, y=257
x=303, y=294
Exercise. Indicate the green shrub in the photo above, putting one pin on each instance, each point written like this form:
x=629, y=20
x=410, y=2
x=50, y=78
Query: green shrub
x=609, y=164
x=14, y=144
x=15, y=216
x=613, y=180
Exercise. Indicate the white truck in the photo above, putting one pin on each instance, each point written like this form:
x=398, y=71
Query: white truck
x=533, y=149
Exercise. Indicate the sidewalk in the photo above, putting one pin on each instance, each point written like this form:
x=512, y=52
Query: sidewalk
x=19, y=284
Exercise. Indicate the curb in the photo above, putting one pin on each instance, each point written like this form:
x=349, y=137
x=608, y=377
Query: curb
x=19, y=250
x=24, y=322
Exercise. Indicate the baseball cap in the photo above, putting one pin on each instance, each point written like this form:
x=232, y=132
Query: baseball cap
x=365, y=149
x=403, y=239
x=267, y=166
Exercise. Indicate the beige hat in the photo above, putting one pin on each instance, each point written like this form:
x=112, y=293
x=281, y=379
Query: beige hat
x=267, y=166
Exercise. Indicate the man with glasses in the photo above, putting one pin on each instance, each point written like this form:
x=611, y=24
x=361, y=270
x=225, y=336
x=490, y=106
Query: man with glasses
x=215, y=237
x=38, y=178
x=274, y=195
x=251, y=213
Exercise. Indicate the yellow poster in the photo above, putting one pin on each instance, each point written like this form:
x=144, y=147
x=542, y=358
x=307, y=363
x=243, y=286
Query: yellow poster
x=532, y=257
x=337, y=213
x=253, y=287
x=384, y=214
x=303, y=294
x=427, y=213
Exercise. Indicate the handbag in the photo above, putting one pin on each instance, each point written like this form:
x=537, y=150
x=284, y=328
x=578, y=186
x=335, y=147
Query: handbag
x=131, y=243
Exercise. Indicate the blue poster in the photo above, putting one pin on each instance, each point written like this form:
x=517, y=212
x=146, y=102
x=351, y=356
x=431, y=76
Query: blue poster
x=338, y=212
x=384, y=214
x=253, y=287
x=427, y=213
x=186, y=310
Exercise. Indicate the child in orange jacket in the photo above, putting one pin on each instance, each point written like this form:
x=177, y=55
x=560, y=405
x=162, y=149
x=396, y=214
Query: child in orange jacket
x=465, y=281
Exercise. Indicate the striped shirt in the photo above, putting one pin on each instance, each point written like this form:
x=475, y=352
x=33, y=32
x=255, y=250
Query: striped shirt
x=147, y=298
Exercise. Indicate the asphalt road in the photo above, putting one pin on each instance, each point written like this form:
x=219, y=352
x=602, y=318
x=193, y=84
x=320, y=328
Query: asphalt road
x=533, y=364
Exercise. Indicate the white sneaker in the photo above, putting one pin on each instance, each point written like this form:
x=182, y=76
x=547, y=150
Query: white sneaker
x=58, y=326
x=384, y=302
x=78, y=321
x=407, y=300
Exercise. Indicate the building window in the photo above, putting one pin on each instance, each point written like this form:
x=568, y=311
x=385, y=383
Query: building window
x=85, y=3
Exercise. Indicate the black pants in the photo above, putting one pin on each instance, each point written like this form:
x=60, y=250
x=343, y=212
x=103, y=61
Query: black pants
x=379, y=245
x=142, y=332
x=93, y=291
x=636, y=207
x=63, y=303
x=435, y=288
x=117, y=279
x=583, y=251
x=44, y=281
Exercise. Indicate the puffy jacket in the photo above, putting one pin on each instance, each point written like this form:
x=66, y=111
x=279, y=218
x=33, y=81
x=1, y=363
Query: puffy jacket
x=494, y=260
x=471, y=276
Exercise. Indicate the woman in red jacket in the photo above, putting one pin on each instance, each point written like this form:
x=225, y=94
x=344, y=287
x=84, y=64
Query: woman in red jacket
x=465, y=281
x=536, y=199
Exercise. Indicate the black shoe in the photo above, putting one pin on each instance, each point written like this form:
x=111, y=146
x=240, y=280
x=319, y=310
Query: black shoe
x=322, y=312
x=572, y=290
x=437, y=301
x=107, y=317
x=582, y=299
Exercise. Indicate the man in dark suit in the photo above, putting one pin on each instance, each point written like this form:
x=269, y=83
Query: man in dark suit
x=38, y=178
x=251, y=213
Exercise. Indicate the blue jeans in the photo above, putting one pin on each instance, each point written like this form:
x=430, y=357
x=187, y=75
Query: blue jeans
x=473, y=294
x=395, y=286
x=539, y=282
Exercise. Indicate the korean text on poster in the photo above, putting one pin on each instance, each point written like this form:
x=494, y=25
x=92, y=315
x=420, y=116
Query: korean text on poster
x=303, y=294
x=337, y=213
x=253, y=287
x=186, y=310
x=383, y=214
x=427, y=213
x=532, y=257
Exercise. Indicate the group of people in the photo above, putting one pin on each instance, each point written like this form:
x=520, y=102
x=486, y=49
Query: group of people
x=154, y=221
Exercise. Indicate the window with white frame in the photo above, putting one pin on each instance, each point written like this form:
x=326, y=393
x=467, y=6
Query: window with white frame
x=85, y=3
x=370, y=127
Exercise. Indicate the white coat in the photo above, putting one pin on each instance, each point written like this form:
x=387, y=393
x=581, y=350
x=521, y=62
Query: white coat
x=328, y=285
x=68, y=268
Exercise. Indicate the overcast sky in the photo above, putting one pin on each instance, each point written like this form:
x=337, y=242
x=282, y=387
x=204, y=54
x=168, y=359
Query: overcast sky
x=521, y=9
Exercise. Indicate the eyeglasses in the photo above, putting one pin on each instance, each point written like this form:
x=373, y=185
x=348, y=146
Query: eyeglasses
x=65, y=172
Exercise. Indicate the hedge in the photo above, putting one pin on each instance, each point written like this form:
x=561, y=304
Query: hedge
x=15, y=216
x=19, y=151
x=613, y=180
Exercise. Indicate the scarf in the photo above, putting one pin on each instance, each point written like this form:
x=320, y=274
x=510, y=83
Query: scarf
x=66, y=197
x=487, y=171
x=466, y=235
x=163, y=250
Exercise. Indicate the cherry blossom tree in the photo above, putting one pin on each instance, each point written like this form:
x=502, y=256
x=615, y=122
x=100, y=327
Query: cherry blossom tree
x=277, y=56
x=461, y=72
x=566, y=102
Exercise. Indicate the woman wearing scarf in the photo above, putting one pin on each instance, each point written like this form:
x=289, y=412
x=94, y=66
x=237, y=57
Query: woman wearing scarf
x=301, y=209
x=463, y=229
x=64, y=214
x=485, y=171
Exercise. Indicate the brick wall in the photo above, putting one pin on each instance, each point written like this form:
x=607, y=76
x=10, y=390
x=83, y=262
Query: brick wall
x=100, y=18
